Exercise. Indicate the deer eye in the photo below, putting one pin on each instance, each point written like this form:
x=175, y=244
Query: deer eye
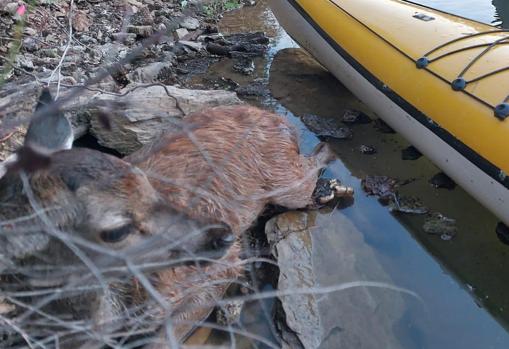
x=117, y=234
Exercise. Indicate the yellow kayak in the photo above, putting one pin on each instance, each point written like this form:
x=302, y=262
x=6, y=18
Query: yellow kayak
x=440, y=80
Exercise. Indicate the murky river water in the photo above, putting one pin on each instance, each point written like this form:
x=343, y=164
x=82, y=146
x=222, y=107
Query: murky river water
x=463, y=283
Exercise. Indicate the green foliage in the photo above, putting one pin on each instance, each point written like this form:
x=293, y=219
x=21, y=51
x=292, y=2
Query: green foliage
x=216, y=7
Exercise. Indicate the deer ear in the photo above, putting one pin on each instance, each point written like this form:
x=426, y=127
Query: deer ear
x=44, y=99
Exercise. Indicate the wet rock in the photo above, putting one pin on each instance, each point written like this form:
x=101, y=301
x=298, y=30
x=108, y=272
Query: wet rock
x=381, y=186
x=181, y=33
x=142, y=31
x=441, y=180
x=240, y=45
x=503, y=233
x=438, y=224
x=229, y=314
x=189, y=23
x=244, y=66
x=255, y=89
x=326, y=127
x=382, y=126
x=290, y=240
x=410, y=153
x=408, y=205
x=367, y=150
x=141, y=115
x=355, y=117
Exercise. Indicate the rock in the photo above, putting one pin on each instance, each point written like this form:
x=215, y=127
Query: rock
x=49, y=52
x=31, y=44
x=87, y=39
x=142, y=31
x=29, y=31
x=441, y=180
x=355, y=117
x=255, y=89
x=381, y=186
x=197, y=46
x=503, y=233
x=289, y=236
x=408, y=205
x=148, y=73
x=438, y=224
x=326, y=127
x=126, y=38
x=143, y=17
x=189, y=23
x=181, y=33
x=10, y=8
x=244, y=66
x=170, y=24
x=381, y=126
x=367, y=150
x=25, y=62
x=410, y=153
x=140, y=116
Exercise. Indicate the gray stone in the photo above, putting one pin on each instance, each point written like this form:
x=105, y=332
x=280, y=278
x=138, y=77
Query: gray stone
x=149, y=72
x=181, y=33
x=290, y=239
x=30, y=44
x=197, y=46
x=140, y=116
x=190, y=23
x=143, y=31
x=29, y=31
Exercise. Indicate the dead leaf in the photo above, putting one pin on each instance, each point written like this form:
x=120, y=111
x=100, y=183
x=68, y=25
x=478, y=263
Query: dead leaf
x=80, y=21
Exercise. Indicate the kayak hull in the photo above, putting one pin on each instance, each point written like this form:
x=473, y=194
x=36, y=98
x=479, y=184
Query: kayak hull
x=488, y=191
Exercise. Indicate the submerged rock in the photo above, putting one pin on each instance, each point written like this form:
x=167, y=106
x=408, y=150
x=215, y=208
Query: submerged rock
x=355, y=117
x=438, y=224
x=290, y=240
x=410, y=153
x=408, y=205
x=367, y=149
x=383, y=127
x=441, y=180
x=326, y=127
x=382, y=186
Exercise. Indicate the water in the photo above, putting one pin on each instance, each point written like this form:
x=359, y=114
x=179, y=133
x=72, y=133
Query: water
x=463, y=283
x=495, y=12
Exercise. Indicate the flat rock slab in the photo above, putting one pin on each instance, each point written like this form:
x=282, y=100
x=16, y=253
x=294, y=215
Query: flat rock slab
x=141, y=115
x=290, y=239
x=315, y=250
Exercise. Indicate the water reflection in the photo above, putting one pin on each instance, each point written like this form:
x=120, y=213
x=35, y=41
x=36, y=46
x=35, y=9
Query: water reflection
x=502, y=12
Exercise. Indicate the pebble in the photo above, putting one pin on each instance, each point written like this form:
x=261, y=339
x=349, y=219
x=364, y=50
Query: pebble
x=367, y=149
